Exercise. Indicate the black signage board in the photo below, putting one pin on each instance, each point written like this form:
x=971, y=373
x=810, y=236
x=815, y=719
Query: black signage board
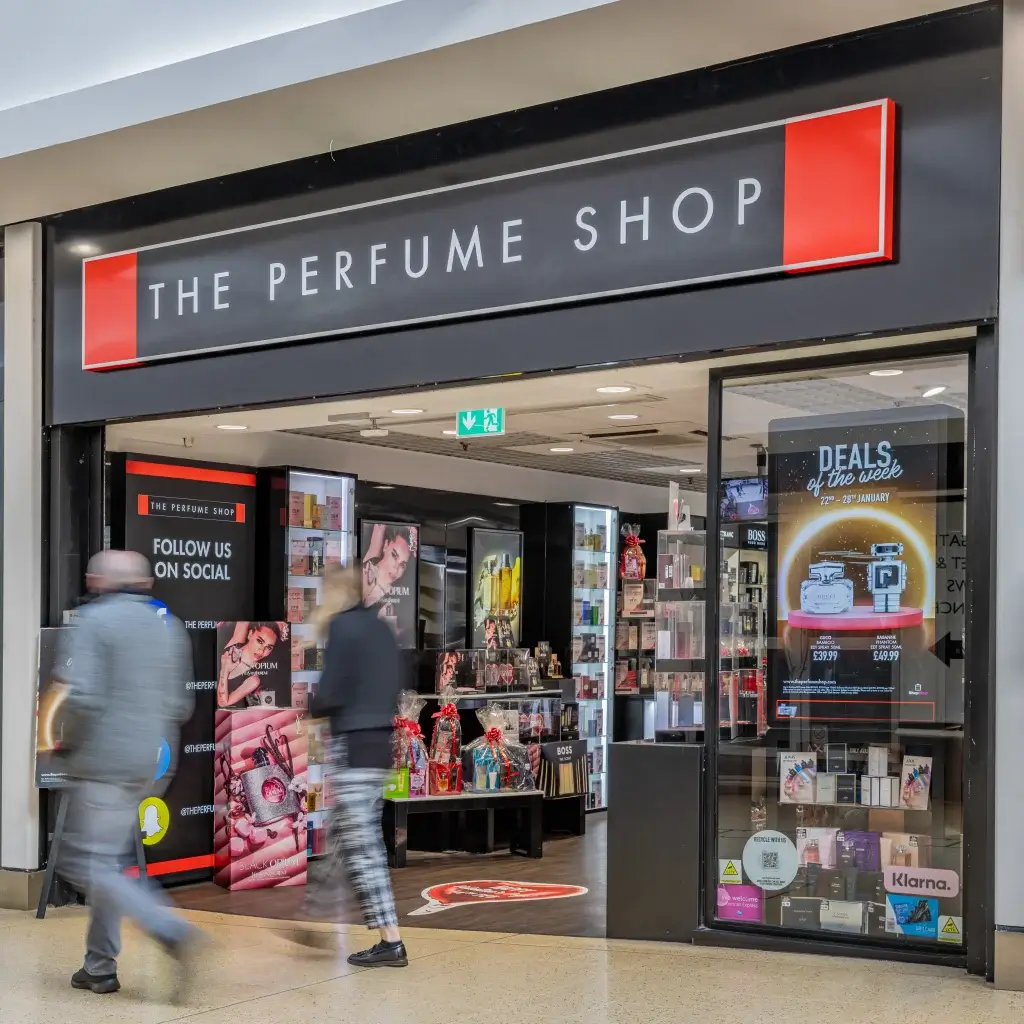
x=195, y=522
x=738, y=203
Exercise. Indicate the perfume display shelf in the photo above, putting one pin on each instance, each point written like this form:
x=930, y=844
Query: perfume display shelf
x=857, y=618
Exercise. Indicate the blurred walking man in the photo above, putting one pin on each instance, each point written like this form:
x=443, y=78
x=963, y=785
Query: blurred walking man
x=125, y=667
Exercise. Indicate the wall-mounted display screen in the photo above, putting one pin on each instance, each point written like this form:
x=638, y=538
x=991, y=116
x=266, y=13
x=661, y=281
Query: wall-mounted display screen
x=744, y=498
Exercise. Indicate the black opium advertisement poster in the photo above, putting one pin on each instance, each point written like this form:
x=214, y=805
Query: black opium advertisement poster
x=856, y=499
x=255, y=665
x=195, y=523
x=495, y=588
x=390, y=562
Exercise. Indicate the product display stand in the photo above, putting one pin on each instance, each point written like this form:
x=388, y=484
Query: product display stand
x=527, y=835
x=633, y=701
x=55, y=844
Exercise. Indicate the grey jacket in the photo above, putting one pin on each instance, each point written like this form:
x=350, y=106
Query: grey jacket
x=126, y=668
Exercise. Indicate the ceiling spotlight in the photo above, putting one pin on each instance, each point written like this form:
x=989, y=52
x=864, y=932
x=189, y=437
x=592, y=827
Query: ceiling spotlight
x=450, y=433
x=560, y=450
x=932, y=392
x=406, y=412
x=231, y=426
x=624, y=416
x=885, y=373
x=614, y=389
x=83, y=248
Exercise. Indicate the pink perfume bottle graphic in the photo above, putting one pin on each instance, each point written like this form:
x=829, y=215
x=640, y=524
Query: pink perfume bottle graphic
x=267, y=791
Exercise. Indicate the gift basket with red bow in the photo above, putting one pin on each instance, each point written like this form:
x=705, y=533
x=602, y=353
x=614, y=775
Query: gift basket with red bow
x=409, y=752
x=445, y=774
x=633, y=564
x=495, y=761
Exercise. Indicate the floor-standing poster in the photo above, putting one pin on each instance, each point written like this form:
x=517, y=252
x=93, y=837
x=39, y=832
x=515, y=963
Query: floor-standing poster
x=854, y=499
x=195, y=523
x=495, y=590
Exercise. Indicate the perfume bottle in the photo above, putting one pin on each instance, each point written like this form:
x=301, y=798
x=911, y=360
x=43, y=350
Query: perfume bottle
x=812, y=852
x=901, y=857
x=827, y=591
x=266, y=790
x=506, y=584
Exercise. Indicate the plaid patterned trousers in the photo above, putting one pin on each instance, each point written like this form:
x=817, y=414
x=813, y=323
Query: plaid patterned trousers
x=355, y=859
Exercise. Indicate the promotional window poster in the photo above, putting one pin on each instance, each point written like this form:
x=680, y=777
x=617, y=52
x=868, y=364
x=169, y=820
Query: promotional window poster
x=255, y=665
x=50, y=694
x=390, y=563
x=259, y=837
x=495, y=588
x=856, y=500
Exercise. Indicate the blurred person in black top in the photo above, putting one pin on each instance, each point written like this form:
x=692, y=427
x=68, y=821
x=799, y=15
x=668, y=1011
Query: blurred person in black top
x=358, y=694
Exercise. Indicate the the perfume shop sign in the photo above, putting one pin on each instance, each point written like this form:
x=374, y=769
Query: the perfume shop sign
x=810, y=193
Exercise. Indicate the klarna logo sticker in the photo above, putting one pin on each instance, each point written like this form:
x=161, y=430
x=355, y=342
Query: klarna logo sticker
x=922, y=881
x=487, y=890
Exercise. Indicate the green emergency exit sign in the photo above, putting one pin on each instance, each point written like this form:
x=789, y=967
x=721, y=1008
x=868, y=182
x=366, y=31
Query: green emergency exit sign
x=480, y=422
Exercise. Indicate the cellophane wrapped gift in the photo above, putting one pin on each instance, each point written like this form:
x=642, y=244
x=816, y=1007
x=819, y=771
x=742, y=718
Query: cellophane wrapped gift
x=495, y=761
x=409, y=752
x=445, y=774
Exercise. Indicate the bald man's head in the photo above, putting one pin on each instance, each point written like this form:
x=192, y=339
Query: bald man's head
x=118, y=570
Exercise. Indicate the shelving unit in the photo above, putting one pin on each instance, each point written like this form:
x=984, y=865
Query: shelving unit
x=313, y=517
x=680, y=667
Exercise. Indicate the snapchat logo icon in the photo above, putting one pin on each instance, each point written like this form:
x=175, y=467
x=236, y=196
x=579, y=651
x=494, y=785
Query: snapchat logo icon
x=154, y=820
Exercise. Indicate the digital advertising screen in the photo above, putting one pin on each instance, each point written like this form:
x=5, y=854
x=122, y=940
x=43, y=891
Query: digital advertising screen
x=857, y=502
x=744, y=498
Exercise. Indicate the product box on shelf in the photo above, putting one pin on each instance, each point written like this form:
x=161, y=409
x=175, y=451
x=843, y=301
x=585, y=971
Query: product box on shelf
x=916, y=783
x=816, y=846
x=260, y=798
x=902, y=849
x=803, y=912
x=825, y=788
x=842, y=916
x=797, y=772
x=836, y=758
x=878, y=761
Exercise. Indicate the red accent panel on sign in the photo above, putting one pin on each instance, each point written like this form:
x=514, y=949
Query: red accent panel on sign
x=239, y=513
x=839, y=188
x=143, y=504
x=110, y=332
x=174, y=867
x=171, y=471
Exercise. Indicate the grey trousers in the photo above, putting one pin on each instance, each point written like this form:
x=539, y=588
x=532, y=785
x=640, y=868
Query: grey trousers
x=99, y=841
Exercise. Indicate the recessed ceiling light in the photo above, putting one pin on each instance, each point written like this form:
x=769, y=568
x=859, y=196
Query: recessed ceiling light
x=406, y=412
x=231, y=426
x=885, y=373
x=83, y=248
x=691, y=469
x=932, y=392
x=506, y=504
x=450, y=433
x=614, y=389
x=560, y=451
x=624, y=416
x=383, y=487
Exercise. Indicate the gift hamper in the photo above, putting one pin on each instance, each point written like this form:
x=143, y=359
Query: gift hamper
x=495, y=761
x=445, y=764
x=409, y=752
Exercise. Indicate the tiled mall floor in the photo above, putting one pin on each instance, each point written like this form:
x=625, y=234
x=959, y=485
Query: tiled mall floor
x=250, y=973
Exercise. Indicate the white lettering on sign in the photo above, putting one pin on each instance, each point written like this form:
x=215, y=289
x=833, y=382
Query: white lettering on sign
x=841, y=464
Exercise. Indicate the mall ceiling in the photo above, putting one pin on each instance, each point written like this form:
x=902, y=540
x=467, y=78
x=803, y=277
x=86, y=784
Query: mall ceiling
x=653, y=432
x=281, y=98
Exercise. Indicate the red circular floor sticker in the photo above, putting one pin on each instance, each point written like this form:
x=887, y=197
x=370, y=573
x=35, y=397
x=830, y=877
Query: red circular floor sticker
x=489, y=890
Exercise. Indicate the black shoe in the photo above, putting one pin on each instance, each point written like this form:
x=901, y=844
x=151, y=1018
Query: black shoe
x=101, y=984
x=384, y=954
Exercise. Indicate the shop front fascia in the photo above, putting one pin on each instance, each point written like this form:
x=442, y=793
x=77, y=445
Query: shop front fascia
x=826, y=194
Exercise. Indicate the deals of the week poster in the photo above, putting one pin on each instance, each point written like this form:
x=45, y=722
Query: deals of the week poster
x=855, y=499
x=194, y=521
x=390, y=560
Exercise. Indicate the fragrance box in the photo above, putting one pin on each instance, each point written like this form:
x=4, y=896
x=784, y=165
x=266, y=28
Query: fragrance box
x=842, y=916
x=797, y=772
x=878, y=761
x=846, y=789
x=803, y=912
x=826, y=788
x=916, y=783
x=835, y=757
x=816, y=846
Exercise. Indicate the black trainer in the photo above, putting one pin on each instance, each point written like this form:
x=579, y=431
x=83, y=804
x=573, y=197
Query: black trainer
x=384, y=954
x=101, y=984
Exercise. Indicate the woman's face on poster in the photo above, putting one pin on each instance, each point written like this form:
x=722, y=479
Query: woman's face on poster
x=261, y=642
x=394, y=561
